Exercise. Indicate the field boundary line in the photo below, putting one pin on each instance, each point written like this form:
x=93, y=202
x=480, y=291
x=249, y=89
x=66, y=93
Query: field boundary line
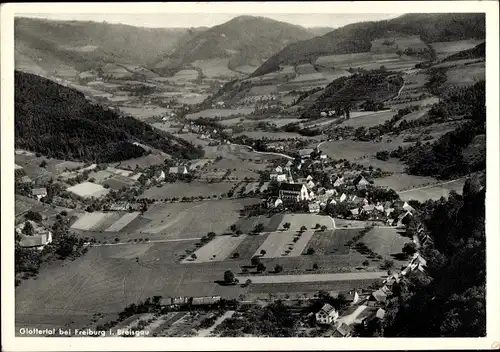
x=430, y=186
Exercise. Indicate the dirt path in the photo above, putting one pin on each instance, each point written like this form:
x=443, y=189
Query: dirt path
x=274, y=279
x=429, y=186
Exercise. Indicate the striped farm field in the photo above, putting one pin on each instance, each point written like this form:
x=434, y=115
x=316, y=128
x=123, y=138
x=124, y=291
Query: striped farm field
x=368, y=120
x=216, y=250
x=122, y=222
x=89, y=220
x=281, y=244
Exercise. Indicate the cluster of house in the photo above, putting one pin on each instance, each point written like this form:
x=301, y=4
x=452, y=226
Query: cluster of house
x=38, y=240
x=368, y=307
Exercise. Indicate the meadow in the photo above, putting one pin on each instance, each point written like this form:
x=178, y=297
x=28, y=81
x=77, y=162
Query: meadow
x=466, y=75
x=433, y=192
x=214, y=113
x=444, y=49
x=192, y=189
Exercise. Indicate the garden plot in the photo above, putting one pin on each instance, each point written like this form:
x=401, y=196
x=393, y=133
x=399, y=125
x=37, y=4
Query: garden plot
x=111, y=217
x=216, y=250
x=185, y=75
x=122, y=222
x=88, y=189
x=281, y=244
x=249, y=246
x=89, y=220
x=273, y=279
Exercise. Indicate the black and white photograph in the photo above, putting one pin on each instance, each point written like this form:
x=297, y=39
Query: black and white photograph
x=242, y=173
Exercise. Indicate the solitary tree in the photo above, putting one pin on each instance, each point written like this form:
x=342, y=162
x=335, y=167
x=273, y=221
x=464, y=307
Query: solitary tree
x=194, y=256
x=236, y=255
x=233, y=228
x=229, y=277
x=211, y=235
x=278, y=268
x=28, y=229
x=286, y=225
x=303, y=228
x=255, y=261
x=315, y=266
x=310, y=251
x=317, y=226
x=324, y=228
x=263, y=252
x=244, y=270
x=259, y=228
x=248, y=282
x=366, y=263
x=261, y=268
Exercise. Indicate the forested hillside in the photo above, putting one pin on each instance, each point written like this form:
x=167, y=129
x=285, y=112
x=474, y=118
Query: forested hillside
x=451, y=300
x=458, y=152
x=244, y=40
x=85, y=45
x=357, y=37
x=345, y=93
x=58, y=122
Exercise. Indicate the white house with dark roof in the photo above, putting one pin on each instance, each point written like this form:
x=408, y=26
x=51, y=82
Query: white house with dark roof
x=180, y=170
x=40, y=238
x=39, y=193
x=327, y=315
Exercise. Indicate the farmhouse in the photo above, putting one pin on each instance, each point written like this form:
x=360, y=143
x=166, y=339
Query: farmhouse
x=327, y=315
x=360, y=182
x=17, y=167
x=179, y=170
x=39, y=193
x=293, y=192
x=403, y=219
x=339, y=181
x=278, y=169
x=408, y=207
x=343, y=197
x=40, y=238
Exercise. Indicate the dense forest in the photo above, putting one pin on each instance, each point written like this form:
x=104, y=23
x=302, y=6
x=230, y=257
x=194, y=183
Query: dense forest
x=449, y=300
x=59, y=122
x=345, y=93
x=454, y=154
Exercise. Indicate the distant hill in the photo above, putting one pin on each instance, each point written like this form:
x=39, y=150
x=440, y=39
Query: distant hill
x=317, y=31
x=58, y=122
x=47, y=45
x=358, y=37
x=244, y=40
x=479, y=51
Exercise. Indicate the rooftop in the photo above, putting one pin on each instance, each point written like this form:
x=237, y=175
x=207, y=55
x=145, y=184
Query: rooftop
x=291, y=187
